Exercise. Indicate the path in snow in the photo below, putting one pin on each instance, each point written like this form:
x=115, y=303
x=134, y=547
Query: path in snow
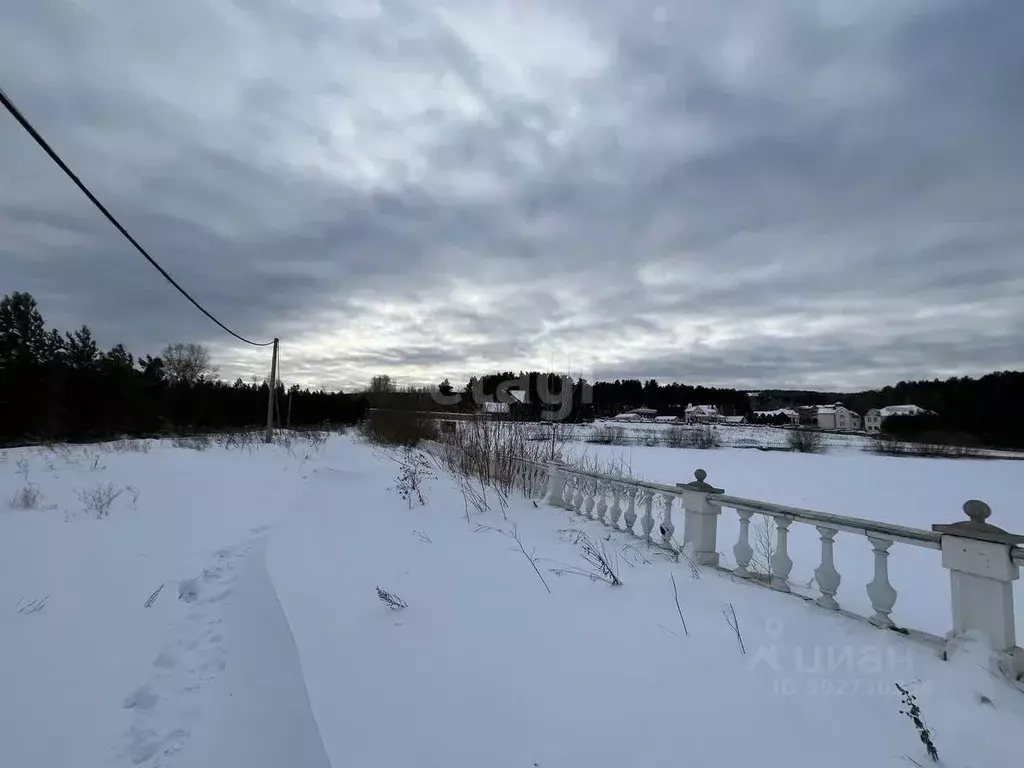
x=167, y=706
x=259, y=709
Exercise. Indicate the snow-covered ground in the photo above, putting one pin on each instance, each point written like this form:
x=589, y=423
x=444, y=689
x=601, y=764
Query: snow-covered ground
x=765, y=437
x=268, y=646
x=729, y=435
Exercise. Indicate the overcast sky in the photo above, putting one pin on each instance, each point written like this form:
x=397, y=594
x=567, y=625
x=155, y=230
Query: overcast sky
x=764, y=193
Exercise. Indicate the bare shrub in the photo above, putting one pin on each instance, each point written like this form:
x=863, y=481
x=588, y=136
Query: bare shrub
x=128, y=446
x=414, y=469
x=28, y=497
x=489, y=451
x=316, y=436
x=601, y=565
x=702, y=436
x=806, y=440
x=285, y=438
x=554, y=434
x=608, y=436
x=887, y=446
x=192, y=442
x=100, y=497
x=239, y=439
x=764, y=542
x=649, y=438
x=22, y=466
x=617, y=467
x=391, y=600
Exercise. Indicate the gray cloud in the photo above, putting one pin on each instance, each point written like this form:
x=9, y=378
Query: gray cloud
x=738, y=193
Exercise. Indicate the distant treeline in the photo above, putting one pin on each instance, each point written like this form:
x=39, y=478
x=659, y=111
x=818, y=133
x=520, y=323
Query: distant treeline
x=56, y=386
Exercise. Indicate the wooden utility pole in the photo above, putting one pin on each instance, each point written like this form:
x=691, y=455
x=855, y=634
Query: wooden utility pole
x=270, y=396
x=288, y=421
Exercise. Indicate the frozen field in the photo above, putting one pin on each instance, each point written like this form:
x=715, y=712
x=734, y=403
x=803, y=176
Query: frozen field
x=264, y=643
x=765, y=437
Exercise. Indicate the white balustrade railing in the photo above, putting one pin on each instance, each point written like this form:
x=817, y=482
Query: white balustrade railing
x=983, y=561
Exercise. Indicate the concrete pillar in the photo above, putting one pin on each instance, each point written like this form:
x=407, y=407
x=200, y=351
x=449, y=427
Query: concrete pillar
x=700, y=525
x=981, y=573
x=556, y=484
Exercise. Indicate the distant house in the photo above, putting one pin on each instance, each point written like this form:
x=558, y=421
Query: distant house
x=735, y=419
x=643, y=413
x=628, y=416
x=837, y=416
x=702, y=413
x=497, y=409
x=666, y=419
x=873, y=419
x=788, y=413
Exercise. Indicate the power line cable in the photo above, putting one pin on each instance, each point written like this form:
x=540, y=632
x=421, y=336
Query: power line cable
x=23, y=121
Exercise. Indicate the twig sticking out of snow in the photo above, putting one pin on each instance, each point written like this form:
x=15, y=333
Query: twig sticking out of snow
x=734, y=624
x=603, y=566
x=913, y=711
x=528, y=555
x=33, y=606
x=630, y=555
x=675, y=593
x=694, y=568
x=422, y=537
x=391, y=600
x=153, y=597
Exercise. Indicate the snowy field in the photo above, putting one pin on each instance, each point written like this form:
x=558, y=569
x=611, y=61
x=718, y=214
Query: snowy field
x=729, y=435
x=224, y=612
x=765, y=437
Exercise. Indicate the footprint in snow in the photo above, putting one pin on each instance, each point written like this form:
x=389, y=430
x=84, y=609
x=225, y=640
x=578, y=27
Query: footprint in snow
x=143, y=698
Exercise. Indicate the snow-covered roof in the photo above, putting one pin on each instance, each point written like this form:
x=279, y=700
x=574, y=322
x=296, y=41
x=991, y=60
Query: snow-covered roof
x=902, y=410
x=706, y=410
x=628, y=416
x=826, y=410
x=779, y=412
x=666, y=418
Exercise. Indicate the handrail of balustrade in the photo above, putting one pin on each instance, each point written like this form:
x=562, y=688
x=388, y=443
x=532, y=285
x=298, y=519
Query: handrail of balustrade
x=673, y=490
x=917, y=537
x=914, y=536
